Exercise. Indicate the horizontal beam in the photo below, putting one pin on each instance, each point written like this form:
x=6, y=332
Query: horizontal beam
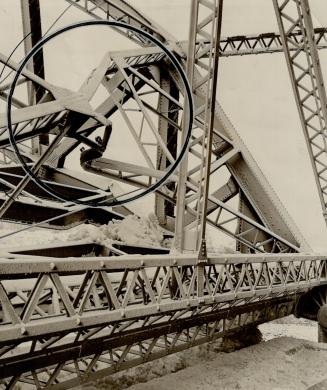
x=238, y=45
x=266, y=43
x=223, y=322
x=229, y=46
x=110, y=290
x=27, y=266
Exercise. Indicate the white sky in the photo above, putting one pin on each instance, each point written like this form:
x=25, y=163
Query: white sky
x=254, y=91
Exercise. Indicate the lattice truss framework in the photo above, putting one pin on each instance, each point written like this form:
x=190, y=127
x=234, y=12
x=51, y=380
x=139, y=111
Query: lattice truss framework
x=142, y=307
x=229, y=46
x=145, y=307
x=307, y=82
x=124, y=82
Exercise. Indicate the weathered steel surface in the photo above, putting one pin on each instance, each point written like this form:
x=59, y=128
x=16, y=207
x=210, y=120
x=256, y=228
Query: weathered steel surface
x=75, y=317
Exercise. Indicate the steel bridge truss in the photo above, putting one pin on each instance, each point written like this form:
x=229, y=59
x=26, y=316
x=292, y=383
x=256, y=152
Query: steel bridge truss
x=308, y=84
x=143, y=307
x=64, y=321
x=270, y=42
x=123, y=84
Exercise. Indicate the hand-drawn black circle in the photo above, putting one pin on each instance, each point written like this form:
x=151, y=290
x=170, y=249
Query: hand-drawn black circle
x=188, y=113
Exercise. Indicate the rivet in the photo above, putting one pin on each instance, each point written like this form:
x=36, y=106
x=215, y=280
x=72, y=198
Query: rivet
x=158, y=308
x=101, y=264
x=78, y=321
x=52, y=266
x=122, y=313
x=142, y=263
x=23, y=330
x=175, y=262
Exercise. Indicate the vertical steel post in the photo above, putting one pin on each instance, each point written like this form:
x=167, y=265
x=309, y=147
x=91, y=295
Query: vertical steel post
x=182, y=178
x=164, y=209
x=209, y=28
x=32, y=31
x=209, y=123
x=199, y=27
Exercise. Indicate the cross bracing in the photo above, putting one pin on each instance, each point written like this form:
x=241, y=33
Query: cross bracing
x=153, y=342
x=102, y=297
x=71, y=319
